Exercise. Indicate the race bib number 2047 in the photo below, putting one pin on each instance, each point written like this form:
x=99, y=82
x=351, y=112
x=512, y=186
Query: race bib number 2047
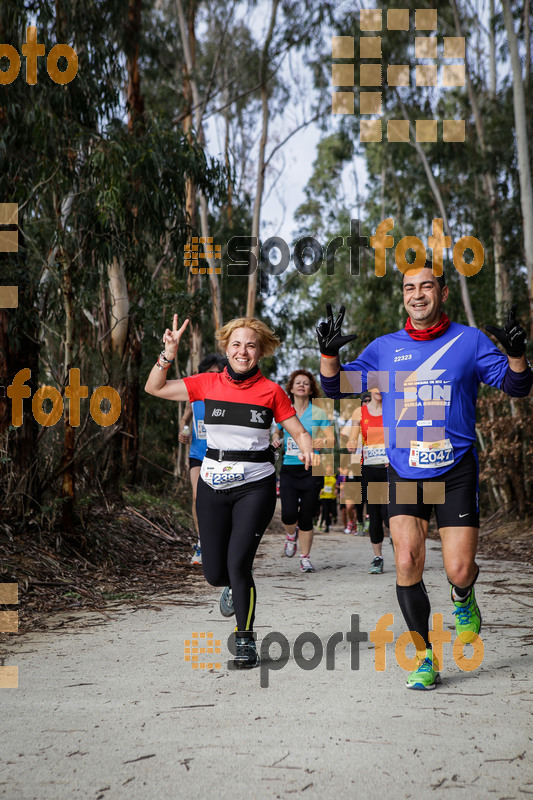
x=431, y=455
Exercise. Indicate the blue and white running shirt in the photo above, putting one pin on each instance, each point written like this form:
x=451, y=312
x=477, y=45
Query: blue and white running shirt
x=198, y=438
x=429, y=391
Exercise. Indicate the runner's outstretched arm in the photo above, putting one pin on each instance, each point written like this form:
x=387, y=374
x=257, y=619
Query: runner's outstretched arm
x=157, y=383
x=330, y=341
x=518, y=379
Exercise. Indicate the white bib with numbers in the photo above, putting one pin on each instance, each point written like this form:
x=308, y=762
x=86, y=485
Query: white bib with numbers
x=292, y=447
x=375, y=455
x=431, y=455
x=223, y=475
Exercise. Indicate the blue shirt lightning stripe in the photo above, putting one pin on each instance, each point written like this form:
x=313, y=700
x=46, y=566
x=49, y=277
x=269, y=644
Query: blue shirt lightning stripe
x=429, y=390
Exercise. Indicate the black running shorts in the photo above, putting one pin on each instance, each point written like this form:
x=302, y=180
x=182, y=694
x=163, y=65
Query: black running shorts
x=454, y=495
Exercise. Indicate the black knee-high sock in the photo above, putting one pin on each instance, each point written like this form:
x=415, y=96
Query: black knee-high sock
x=415, y=607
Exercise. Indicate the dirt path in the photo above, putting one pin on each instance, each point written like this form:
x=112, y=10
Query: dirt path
x=107, y=707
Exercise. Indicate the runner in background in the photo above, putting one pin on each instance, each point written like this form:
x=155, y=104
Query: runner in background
x=361, y=509
x=328, y=501
x=368, y=421
x=213, y=362
x=299, y=488
x=347, y=506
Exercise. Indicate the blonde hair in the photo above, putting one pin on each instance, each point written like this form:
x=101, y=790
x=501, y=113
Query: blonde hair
x=268, y=341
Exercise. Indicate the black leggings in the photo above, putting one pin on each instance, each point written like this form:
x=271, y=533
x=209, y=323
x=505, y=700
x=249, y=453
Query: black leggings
x=299, y=491
x=231, y=524
x=378, y=513
x=329, y=508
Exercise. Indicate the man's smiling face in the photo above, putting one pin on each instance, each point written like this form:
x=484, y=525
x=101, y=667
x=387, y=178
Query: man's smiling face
x=423, y=297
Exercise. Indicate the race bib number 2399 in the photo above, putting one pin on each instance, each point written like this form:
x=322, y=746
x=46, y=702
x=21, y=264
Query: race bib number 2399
x=222, y=476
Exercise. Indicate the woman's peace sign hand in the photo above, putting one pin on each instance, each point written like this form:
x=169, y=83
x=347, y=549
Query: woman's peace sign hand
x=171, y=338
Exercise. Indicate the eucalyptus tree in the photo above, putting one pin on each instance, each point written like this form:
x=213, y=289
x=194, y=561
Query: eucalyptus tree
x=92, y=194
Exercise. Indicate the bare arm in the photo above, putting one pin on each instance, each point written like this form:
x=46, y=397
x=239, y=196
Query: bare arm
x=327, y=439
x=351, y=430
x=157, y=383
x=277, y=438
x=329, y=367
x=186, y=417
x=294, y=428
x=517, y=364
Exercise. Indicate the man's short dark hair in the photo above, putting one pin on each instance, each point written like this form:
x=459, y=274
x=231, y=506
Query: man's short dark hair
x=212, y=360
x=441, y=279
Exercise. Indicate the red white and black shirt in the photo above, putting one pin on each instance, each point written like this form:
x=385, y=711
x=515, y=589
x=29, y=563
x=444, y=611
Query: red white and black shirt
x=238, y=416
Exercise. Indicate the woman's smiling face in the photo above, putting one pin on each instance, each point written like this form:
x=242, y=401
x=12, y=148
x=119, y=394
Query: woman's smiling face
x=243, y=350
x=301, y=386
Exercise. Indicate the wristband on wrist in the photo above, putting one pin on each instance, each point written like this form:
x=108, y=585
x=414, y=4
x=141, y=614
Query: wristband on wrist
x=325, y=356
x=164, y=359
x=163, y=367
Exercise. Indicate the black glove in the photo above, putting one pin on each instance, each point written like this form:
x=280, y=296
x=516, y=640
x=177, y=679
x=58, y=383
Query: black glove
x=330, y=338
x=512, y=336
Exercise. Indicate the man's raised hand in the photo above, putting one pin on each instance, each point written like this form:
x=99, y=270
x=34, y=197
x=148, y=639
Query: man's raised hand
x=171, y=338
x=330, y=338
x=512, y=336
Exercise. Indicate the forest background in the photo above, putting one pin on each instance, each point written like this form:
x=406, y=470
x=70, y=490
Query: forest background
x=180, y=124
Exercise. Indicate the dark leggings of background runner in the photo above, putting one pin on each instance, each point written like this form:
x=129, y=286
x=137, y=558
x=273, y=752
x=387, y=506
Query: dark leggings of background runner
x=378, y=513
x=329, y=510
x=299, y=492
x=231, y=523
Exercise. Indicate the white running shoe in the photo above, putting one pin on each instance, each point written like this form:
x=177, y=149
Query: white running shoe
x=305, y=564
x=349, y=528
x=227, y=608
x=290, y=546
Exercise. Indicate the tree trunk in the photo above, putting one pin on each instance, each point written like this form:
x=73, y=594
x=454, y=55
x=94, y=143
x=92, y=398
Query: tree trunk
x=465, y=296
x=19, y=472
x=524, y=167
x=119, y=307
x=130, y=411
x=501, y=279
x=492, y=52
x=263, y=68
x=226, y=154
x=125, y=352
x=188, y=41
x=68, y=479
x=133, y=33
x=527, y=37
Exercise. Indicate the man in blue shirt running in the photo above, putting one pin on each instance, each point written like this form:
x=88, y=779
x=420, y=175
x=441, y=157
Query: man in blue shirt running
x=429, y=374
